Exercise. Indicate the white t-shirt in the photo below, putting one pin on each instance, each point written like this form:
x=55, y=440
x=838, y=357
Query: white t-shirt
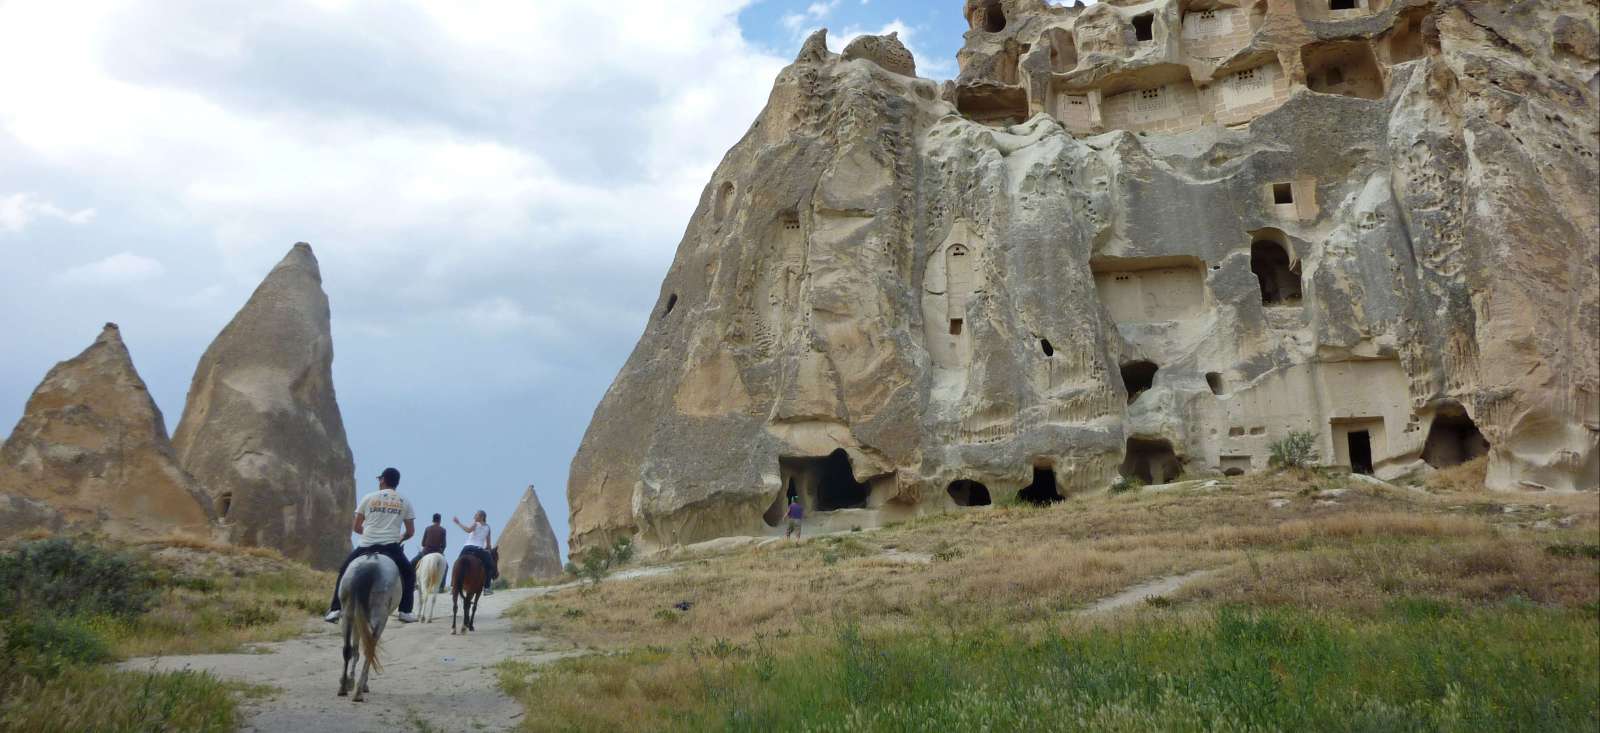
x=387, y=513
x=478, y=536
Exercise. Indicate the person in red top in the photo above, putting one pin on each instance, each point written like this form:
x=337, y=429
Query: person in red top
x=433, y=540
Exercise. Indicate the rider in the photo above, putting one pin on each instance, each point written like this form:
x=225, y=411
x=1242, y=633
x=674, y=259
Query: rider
x=384, y=519
x=432, y=541
x=477, y=543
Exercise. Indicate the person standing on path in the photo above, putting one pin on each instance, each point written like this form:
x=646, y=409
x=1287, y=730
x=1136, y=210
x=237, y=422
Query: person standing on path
x=478, y=543
x=384, y=519
x=796, y=514
x=433, y=540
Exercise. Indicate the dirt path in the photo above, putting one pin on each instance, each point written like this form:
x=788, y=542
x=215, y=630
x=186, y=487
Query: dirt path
x=1138, y=593
x=430, y=676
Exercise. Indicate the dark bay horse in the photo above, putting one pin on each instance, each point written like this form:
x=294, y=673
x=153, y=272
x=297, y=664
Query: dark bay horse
x=467, y=580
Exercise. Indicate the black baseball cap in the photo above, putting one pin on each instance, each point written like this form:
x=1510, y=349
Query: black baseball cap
x=391, y=477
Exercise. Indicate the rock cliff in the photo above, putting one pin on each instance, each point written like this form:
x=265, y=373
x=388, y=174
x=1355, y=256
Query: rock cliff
x=528, y=546
x=1135, y=239
x=91, y=454
x=262, y=430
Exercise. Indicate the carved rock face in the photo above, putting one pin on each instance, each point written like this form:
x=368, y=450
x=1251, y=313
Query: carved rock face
x=91, y=453
x=528, y=546
x=885, y=51
x=262, y=430
x=883, y=303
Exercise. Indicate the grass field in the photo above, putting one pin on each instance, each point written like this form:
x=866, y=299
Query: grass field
x=73, y=607
x=1325, y=604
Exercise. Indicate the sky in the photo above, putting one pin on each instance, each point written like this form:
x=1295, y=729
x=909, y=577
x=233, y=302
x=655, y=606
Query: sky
x=494, y=191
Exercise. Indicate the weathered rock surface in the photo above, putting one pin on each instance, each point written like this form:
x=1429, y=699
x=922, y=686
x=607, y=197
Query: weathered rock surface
x=528, y=546
x=91, y=453
x=1132, y=238
x=262, y=430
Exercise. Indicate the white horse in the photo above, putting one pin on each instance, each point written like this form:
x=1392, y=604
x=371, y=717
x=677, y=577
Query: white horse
x=369, y=592
x=430, y=575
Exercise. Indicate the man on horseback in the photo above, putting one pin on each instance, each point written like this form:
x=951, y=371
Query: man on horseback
x=432, y=541
x=478, y=544
x=384, y=519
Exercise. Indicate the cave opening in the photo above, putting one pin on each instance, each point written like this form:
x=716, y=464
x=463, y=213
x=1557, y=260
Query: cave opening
x=1151, y=460
x=1138, y=376
x=1454, y=438
x=1280, y=282
x=1043, y=489
x=672, y=302
x=825, y=484
x=1360, y=442
x=1047, y=347
x=1144, y=27
x=1214, y=381
x=1342, y=4
x=224, y=504
x=968, y=493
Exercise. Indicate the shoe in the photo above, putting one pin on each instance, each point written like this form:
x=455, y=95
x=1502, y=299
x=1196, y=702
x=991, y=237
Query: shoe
x=488, y=591
x=406, y=618
x=332, y=617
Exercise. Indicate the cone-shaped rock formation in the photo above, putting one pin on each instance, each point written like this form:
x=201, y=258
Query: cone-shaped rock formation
x=91, y=453
x=528, y=546
x=1148, y=238
x=262, y=430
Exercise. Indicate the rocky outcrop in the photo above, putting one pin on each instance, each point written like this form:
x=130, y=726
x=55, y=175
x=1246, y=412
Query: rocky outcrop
x=528, y=546
x=91, y=453
x=1131, y=239
x=262, y=430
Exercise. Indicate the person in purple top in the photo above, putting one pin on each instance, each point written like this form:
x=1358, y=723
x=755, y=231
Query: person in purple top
x=796, y=514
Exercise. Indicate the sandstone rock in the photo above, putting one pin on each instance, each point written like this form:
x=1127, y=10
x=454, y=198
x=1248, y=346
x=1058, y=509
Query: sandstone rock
x=885, y=51
x=91, y=453
x=262, y=430
x=1138, y=238
x=528, y=546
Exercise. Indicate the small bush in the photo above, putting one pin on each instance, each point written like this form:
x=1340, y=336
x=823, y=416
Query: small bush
x=1125, y=484
x=596, y=563
x=1297, y=450
x=61, y=577
x=44, y=647
x=1586, y=549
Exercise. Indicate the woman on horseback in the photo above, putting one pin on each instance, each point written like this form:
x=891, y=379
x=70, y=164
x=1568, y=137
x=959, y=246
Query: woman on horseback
x=478, y=543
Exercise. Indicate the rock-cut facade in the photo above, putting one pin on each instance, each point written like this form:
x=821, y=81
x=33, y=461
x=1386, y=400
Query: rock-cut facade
x=1134, y=240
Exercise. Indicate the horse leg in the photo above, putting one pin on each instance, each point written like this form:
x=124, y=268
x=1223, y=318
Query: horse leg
x=361, y=687
x=455, y=596
x=346, y=670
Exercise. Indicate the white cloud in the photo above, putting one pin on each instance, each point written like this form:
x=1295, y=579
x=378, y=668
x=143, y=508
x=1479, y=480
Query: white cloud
x=117, y=269
x=802, y=23
x=19, y=210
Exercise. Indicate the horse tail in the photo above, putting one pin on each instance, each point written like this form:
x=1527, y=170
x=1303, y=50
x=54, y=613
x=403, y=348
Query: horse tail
x=361, y=587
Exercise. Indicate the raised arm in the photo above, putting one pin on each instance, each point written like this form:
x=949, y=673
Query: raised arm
x=464, y=528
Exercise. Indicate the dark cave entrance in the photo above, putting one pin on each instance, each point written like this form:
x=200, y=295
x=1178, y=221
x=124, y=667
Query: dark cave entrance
x=1280, y=283
x=1360, y=452
x=1453, y=438
x=1043, y=489
x=824, y=484
x=780, y=505
x=968, y=493
x=1152, y=461
x=1138, y=376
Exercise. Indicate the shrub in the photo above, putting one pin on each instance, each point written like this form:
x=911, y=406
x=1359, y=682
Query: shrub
x=42, y=647
x=1125, y=484
x=596, y=563
x=1297, y=450
x=61, y=577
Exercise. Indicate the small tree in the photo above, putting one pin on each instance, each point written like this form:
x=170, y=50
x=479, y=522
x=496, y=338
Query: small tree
x=595, y=563
x=1296, y=450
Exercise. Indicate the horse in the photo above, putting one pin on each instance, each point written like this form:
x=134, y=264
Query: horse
x=467, y=579
x=430, y=575
x=369, y=592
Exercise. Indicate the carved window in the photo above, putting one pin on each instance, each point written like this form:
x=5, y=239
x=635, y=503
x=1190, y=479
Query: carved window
x=1144, y=28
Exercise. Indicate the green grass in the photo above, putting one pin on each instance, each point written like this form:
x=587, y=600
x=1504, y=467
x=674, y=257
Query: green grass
x=85, y=698
x=1420, y=664
x=76, y=605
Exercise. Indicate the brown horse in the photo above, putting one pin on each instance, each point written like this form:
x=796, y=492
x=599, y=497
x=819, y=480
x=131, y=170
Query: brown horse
x=467, y=578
